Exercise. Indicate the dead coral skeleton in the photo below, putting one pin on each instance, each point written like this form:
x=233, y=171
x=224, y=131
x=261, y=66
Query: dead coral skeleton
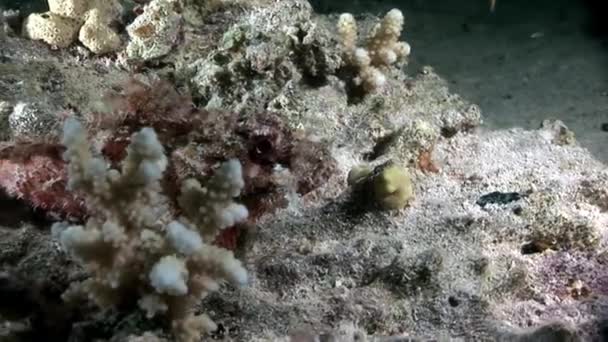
x=67, y=20
x=132, y=245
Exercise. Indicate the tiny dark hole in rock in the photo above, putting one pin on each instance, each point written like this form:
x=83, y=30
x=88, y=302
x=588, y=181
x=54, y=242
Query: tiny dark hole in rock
x=518, y=211
x=454, y=302
x=534, y=247
x=220, y=332
x=448, y=132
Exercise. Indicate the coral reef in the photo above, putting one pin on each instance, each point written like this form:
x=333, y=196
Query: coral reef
x=504, y=239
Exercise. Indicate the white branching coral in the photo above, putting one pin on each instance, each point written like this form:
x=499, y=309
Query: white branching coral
x=169, y=275
x=211, y=206
x=131, y=244
x=382, y=48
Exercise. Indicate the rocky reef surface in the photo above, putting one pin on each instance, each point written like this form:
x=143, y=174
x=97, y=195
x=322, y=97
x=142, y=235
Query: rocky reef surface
x=504, y=237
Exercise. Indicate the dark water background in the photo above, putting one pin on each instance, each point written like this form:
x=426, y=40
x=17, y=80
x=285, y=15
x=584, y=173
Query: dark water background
x=25, y=6
x=523, y=63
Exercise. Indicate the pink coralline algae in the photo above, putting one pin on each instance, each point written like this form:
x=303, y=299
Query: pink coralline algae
x=561, y=271
x=36, y=174
x=196, y=141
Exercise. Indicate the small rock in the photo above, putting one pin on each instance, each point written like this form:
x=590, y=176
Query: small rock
x=557, y=132
x=74, y=9
x=498, y=197
x=5, y=110
x=392, y=186
x=154, y=32
x=555, y=332
x=358, y=173
x=97, y=36
x=51, y=28
x=28, y=121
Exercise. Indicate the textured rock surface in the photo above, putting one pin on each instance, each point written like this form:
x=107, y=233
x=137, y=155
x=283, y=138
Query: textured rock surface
x=155, y=31
x=74, y=9
x=55, y=83
x=63, y=24
x=337, y=263
x=96, y=35
x=51, y=28
x=27, y=121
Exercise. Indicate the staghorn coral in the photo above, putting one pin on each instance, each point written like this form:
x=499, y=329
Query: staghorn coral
x=382, y=49
x=133, y=246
